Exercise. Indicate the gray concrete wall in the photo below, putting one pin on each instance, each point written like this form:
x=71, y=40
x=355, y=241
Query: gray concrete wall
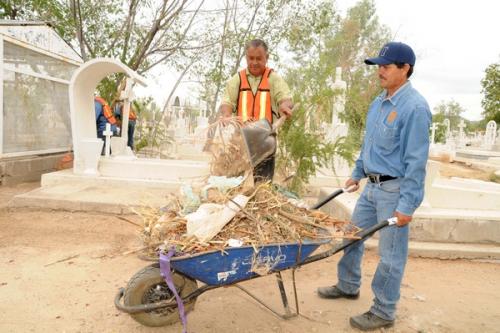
x=17, y=170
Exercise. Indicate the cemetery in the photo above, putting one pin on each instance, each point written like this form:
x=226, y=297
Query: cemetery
x=84, y=205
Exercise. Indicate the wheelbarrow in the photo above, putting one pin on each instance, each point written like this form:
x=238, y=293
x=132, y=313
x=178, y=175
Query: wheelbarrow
x=149, y=300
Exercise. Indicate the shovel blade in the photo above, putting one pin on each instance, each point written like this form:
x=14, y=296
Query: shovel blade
x=259, y=140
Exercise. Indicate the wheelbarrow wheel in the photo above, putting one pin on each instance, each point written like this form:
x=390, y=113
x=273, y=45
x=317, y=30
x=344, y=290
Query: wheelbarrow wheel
x=148, y=286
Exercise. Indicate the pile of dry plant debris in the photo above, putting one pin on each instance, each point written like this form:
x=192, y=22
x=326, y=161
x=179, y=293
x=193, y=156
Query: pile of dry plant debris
x=267, y=217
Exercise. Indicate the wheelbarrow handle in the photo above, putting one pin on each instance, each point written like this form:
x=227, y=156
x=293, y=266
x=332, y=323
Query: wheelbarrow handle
x=364, y=234
x=332, y=196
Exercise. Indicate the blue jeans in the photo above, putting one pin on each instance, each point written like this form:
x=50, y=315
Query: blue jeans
x=130, y=134
x=377, y=203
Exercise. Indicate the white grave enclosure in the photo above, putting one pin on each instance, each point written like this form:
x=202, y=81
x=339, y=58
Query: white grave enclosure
x=35, y=91
x=36, y=66
x=87, y=147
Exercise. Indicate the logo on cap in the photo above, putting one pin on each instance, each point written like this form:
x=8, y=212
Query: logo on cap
x=383, y=51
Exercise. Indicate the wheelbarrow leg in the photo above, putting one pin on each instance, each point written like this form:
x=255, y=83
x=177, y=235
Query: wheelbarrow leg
x=288, y=313
x=279, y=279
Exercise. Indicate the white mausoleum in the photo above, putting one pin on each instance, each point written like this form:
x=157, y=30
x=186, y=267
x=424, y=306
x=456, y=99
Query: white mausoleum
x=35, y=128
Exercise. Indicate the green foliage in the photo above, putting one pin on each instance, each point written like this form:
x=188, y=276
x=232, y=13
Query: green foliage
x=452, y=111
x=301, y=152
x=440, y=133
x=142, y=34
x=494, y=178
x=229, y=29
x=491, y=92
x=321, y=40
x=150, y=131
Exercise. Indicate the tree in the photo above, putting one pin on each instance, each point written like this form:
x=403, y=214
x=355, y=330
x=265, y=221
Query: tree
x=452, y=111
x=321, y=40
x=142, y=34
x=491, y=92
x=148, y=134
x=229, y=28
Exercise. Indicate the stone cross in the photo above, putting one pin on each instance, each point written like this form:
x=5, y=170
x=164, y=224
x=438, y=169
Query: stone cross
x=461, y=126
x=339, y=87
x=446, y=123
x=433, y=133
x=127, y=95
x=490, y=134
x=108, y=134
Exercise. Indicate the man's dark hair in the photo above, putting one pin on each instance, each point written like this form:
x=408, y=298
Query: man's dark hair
x=401, y=65
x=256, y=43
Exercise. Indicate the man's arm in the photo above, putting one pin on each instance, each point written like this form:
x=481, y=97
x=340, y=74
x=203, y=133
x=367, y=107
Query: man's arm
x=415, y=140
x=230, y=97
x=285, y=107
x=358, y=173
x=226, y=111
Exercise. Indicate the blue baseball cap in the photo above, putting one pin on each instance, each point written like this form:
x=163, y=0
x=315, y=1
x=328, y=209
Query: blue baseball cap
x=393, y=52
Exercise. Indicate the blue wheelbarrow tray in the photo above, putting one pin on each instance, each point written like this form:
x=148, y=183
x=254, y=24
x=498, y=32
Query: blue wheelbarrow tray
x=234, y=264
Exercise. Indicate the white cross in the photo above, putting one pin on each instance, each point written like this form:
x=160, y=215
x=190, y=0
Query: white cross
x=446, y=123
x=127, y=95
x=108, y=134
x=461, y=126
x=433, y=133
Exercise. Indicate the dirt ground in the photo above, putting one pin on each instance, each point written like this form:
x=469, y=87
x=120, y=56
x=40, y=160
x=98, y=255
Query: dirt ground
x=60, y=271
x=459, y=169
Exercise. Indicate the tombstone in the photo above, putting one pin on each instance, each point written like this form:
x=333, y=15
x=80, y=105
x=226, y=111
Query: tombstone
x=87, y=147
x=434, y=127
x=490, y=135
x=181, y=126
x=446, y=123
x=337, y=128
x=461, y=133
x=177, y=101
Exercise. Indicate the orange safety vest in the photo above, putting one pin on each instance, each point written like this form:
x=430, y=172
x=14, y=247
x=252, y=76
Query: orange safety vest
x=106, y=110
x=258, y=106
x=131, y=112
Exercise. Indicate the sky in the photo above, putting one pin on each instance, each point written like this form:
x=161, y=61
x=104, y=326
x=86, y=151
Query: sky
x=455, y=41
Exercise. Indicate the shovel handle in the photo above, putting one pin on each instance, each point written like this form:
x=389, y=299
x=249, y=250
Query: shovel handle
x=281, y=120
x=278, y=123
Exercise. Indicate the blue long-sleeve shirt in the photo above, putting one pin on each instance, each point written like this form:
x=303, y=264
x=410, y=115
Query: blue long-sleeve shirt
x=396, y=143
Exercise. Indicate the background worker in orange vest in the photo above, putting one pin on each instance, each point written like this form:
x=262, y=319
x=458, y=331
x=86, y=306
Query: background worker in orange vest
x=103, y=115
x=255, y=93
x=132, y=118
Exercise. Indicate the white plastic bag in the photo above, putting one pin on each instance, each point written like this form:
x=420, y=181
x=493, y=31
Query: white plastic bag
x=209, y=219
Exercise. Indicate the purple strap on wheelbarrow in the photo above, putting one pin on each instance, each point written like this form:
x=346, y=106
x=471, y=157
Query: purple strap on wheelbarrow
x=166, y=272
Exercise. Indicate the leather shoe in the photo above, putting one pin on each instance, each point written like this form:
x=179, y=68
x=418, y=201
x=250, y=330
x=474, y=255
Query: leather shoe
x=333, y=292
x=369, y=321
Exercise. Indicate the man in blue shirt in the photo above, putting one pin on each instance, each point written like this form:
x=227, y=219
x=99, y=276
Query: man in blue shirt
x=393, y=158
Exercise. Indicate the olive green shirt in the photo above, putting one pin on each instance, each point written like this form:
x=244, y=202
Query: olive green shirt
x=278, y=89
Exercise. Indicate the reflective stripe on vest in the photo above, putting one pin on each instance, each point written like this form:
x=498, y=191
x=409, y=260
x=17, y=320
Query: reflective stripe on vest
x=106, y=110
x=258, y=106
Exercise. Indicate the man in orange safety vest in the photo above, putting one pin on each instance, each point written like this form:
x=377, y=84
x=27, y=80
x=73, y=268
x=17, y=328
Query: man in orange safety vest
x=257, y=92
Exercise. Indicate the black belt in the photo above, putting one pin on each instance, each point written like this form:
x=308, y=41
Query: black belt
x=379, y=178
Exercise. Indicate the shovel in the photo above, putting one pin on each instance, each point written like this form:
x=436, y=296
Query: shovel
x=260, y=138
